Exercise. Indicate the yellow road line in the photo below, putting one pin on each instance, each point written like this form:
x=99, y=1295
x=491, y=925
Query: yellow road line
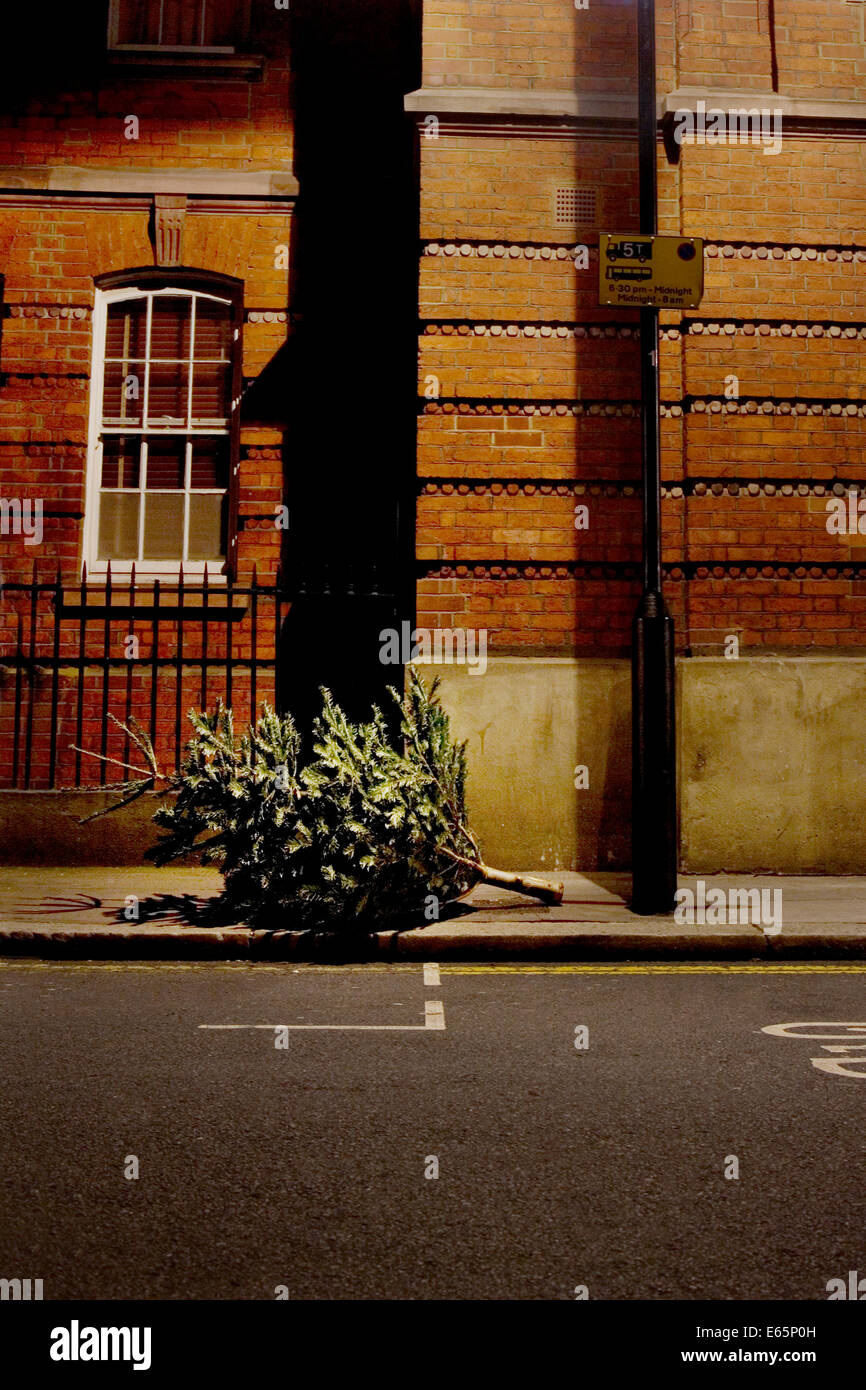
x=589, y=968
x=231, y=966
x=661, y=968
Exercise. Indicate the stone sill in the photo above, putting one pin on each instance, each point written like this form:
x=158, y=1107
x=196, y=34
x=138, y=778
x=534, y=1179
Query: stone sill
x=194, y=183
x=504, y=101
x=620, y=106
x=246, y=66
x=792, y=108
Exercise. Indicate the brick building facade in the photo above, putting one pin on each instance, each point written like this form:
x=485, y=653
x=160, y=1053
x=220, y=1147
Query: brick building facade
x=532, y=411
x=146, y=237
x=213, y=308
x=175, y=335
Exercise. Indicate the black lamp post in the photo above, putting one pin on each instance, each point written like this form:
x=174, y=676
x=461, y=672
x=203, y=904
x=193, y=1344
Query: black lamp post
x=654, y=792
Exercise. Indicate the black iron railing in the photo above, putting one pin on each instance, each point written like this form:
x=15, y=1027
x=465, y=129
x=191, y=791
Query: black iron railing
x=72, y=657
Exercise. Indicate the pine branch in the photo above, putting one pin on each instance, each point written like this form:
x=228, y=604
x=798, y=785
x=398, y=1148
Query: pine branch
x=366, y=830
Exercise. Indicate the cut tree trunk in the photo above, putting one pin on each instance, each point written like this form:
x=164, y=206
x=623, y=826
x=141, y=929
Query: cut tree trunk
x=522, y=883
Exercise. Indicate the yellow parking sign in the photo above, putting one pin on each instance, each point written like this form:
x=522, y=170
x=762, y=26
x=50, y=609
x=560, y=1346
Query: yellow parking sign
x=664, y=272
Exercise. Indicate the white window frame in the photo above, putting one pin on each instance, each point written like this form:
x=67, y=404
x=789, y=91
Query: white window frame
x=97, y=569
x=116, y=47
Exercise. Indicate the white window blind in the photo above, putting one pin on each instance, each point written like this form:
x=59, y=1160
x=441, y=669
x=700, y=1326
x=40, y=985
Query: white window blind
x=162, y=453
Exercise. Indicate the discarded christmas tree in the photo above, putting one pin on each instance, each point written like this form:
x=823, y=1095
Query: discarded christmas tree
x=371, y=828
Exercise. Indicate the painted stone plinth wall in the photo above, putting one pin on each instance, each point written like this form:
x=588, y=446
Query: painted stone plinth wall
x=771, y=761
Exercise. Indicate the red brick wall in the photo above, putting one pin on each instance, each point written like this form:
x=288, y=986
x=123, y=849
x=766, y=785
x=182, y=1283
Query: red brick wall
x=51, y=249
x=821, y=49
x=528, y=389
x=818, y=46
x=184, y=118
x=529, y=44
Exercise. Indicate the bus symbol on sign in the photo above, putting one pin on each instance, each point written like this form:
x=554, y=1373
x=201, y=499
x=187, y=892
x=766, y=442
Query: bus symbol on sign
x=629, y=272
x=630, y=251
x=637, y=270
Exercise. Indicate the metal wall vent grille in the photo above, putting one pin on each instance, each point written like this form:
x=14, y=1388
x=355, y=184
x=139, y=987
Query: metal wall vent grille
x=575, y=207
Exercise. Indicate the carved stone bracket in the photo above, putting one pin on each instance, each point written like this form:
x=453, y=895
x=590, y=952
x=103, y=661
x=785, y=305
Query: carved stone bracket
x=169, y=215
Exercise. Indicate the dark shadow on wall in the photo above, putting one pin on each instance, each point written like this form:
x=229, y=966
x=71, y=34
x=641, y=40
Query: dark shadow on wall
x=50, y=49
x=350, y=444
x=339, y=604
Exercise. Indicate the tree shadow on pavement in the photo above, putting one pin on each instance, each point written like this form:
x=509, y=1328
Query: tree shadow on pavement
x=178, y=909
x=339, y=947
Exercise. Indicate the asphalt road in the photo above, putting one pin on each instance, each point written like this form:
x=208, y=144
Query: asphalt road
x=304, y=1165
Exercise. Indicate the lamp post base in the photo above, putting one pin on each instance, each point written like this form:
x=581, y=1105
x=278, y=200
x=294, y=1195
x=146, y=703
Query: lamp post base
x=654, y=808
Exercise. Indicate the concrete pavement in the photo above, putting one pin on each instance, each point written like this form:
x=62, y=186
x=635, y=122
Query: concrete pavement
x=175, y=913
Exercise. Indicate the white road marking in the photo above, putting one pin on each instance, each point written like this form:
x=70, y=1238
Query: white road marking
x=839, y=1065
x=434, y=1017
x=431, y=974
x=434, y=1014
x=841, y=1030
